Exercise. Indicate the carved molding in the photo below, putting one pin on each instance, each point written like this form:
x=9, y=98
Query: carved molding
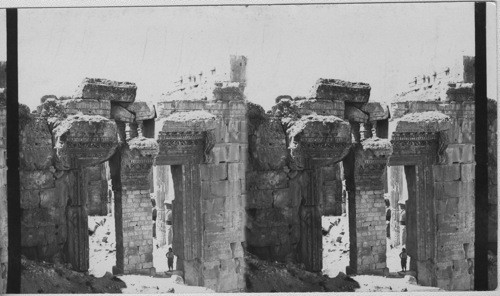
x=179, y=147
x=418, y=147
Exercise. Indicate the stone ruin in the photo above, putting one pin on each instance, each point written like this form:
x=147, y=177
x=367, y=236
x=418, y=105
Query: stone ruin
x=250, y=180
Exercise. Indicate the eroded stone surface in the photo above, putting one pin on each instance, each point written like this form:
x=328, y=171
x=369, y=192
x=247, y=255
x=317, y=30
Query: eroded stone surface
x=35, y=141
x=376, y=110
x=104, y=89
x=336, y=89
x=84, y=139
x=86, y=106
x=142, y=110
x=119, y=113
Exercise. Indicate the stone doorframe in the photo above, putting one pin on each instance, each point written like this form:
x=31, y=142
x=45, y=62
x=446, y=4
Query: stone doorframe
x=419, y=146
x=184, y=146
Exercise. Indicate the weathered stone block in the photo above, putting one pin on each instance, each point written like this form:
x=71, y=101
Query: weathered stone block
x=142, y=110
x=95, y=88
x=86, y=107
x=30, y=199
x=49, y=199
x=36, y=180
x=119, y=113
x=214, y=172
x=376, y=110
x=354, y=114
x=35, y=151
x=460, y=153
x=335, y=89
x=266, y=180
x=236, y=171
x=259, y=199
x=84, y=140
x=468, y=172
x=268, y=146
x=450, y=172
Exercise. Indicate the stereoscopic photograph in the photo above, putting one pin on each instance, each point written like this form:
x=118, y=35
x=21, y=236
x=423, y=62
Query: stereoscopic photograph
x=335, y=147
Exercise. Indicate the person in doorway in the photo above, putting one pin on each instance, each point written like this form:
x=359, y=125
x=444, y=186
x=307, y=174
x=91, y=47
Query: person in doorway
x=170, y=258
x=403, y=255
x=388, y=217
x=153, y=203
x=402, y=222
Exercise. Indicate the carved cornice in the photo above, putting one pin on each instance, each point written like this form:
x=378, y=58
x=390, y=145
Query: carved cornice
x=181, y=146
x=412, y=148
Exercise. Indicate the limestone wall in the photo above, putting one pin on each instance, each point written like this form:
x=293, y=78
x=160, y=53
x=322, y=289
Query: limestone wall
x=208, y=215
x=453, y=190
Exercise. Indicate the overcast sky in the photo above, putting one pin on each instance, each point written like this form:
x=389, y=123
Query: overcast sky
x=288, y=47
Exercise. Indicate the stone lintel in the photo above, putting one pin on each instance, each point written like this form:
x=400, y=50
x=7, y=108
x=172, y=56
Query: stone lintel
x=336, y=89
x=96, y=88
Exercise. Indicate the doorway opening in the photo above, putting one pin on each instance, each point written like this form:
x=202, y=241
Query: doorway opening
x=101, y=220
x=162, y=198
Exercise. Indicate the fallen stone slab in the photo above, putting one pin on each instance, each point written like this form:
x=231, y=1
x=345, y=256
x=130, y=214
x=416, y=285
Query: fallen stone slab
x=142, y=110
x=83, y=140
x=336, y=89
x=353, y=114
x=115, y=91
x=119, y=113
x=376, y=110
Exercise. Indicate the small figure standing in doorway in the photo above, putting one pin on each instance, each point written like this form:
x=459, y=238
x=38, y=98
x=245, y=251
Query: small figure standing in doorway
x=403, y=255
x=170, y=258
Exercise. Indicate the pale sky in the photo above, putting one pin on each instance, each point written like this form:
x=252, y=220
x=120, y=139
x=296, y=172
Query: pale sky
x=288, y=47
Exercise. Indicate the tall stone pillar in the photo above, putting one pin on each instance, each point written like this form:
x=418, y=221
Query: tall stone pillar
x=136, y=234
x=367, y=216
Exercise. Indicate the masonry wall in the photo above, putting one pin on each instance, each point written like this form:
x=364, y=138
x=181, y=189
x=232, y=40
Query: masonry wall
x=453, y=191
x=44, y=194
x=220, y=183
x=137, y=232
x=370, y=229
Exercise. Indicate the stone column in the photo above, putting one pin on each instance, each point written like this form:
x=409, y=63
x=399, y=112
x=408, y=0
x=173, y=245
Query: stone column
x=369, y=207
x=136, y=235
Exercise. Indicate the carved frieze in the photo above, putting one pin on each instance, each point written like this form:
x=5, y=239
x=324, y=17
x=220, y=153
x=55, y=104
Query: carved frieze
x=318, y=141
x=185, y=136
x=83, y=140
